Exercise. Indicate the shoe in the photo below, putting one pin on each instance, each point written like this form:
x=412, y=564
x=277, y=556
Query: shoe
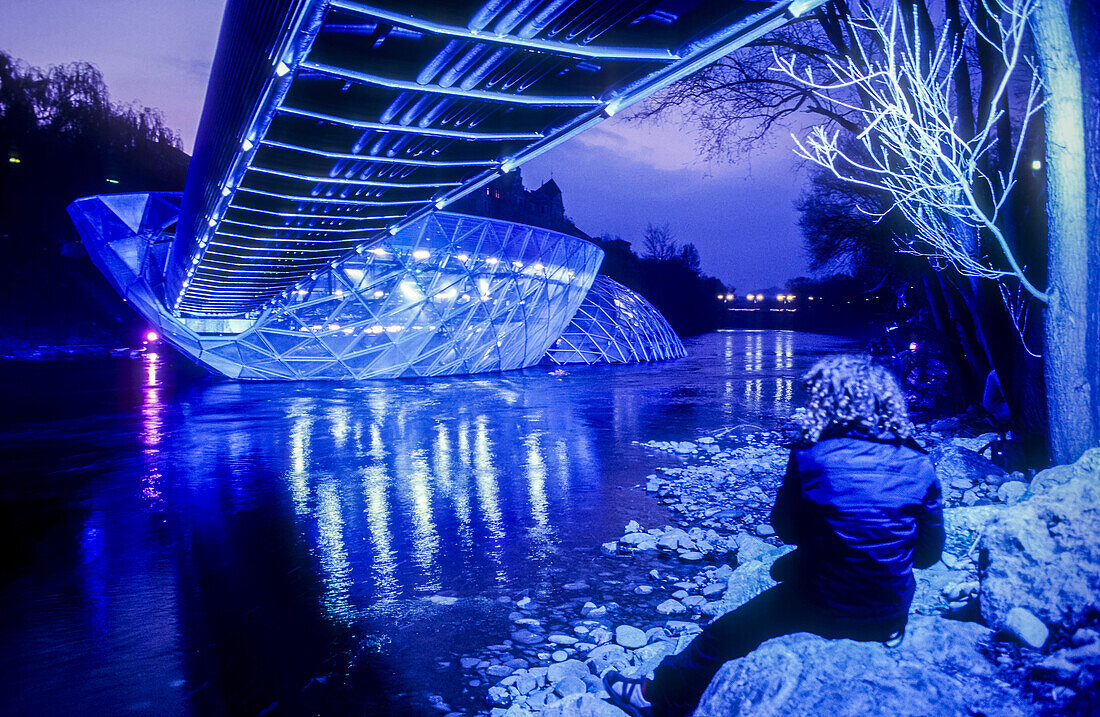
x=895, y=638
x=626, y=693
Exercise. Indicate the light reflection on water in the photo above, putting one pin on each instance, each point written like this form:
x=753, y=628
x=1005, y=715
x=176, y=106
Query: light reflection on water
x=284, y=521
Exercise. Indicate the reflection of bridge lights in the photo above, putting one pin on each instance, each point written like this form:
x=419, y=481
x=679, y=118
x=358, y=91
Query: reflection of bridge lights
x=152, y=337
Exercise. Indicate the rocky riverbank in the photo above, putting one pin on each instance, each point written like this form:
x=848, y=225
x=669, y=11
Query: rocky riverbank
x=1004, y=624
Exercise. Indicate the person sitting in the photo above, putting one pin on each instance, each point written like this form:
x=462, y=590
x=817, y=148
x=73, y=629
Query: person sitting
x=861, y=502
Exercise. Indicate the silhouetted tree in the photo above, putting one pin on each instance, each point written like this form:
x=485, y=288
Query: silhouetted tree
x=62, y=138
x=658, y=242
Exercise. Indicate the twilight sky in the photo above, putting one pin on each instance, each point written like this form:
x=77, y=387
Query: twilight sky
x=615, y=178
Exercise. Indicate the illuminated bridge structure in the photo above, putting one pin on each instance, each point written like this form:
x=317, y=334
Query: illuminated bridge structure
x=334, y=128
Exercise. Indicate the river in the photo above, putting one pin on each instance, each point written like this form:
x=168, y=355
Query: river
x=179, y=544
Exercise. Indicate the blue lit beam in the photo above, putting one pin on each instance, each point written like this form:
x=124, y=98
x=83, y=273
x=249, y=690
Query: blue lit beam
x=333, y=200
x=345, y=73
x=596, y=52
x=353, y=182
x=423, y=131
x=411, y=162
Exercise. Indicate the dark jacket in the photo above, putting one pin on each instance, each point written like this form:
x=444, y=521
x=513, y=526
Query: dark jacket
x=862, y=512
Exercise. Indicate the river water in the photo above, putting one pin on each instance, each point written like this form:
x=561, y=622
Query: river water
x=177, y=544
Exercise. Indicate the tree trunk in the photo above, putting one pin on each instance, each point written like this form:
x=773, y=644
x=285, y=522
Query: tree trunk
x=1066, y=346
x=1086, y=21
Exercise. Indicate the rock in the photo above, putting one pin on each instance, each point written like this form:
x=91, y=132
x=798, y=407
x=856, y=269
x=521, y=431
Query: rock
x=671, y=607
x=634, y=526
x=939, y=669
x=562, y=639
x=526, y=637
x=523, y=602
x=712, y=590
x=578, y=585
x=650, y=656
x=445, y=600
x=691, y=556
x=694, y=602
x=746, y=582
x=643, y=590
x=1021, y=624
x=685, y=447
x=559, y=656
x=610, y=549
x=469, y=663
x=635, y=538
x=1042, y=554
x=499, y=696
x=1011, y=491
x=571, y=686
x=1087, y=465
x=969, y=497
x=498, y=671
x=630, y=637
x=558, y=671
x=955, y=464
x=749, y=547
x=606, y=656
x=586, y=705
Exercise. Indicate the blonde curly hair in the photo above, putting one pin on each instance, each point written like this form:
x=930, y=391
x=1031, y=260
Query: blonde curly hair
x=850, y=392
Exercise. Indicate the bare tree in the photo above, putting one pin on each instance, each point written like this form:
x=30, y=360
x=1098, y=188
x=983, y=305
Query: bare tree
x=659, y=243
x=938, y=173
x=915, y=151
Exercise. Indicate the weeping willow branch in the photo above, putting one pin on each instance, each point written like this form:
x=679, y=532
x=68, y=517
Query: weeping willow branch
x=914, y=150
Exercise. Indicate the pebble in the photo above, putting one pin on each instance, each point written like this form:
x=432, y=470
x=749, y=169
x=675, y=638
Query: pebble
x=1022, y=624
x=1011, y=491
x=643, y=590
x=526, y=637
x=671, y=607
x=630, y=637
x=559, y=656
x=764, y=530
x=562, y=639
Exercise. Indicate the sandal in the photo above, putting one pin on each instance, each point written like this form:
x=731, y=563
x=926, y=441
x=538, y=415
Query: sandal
x=626, y=693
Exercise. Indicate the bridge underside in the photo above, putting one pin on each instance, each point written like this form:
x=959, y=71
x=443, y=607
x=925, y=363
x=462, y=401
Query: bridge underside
x=331, y=124
x=310, y=240
x=450, y=294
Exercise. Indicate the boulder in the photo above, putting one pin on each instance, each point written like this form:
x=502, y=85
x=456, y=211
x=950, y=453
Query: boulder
x=939, y=669
x=1011, y=491
x=961, y=467
x=630, y=637
x=750, y=547
x=606, y=656
x=747, y=581
x=586, y=705
x=558, y=671
x=1042, y=554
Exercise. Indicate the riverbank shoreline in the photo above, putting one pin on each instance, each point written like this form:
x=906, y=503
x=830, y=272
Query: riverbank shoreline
x=716, y=555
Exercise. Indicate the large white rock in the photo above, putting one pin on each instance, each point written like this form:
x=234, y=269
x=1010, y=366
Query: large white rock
x=938, y=670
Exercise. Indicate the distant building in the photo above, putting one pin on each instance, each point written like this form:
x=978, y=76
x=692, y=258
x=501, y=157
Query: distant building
x=507, y=198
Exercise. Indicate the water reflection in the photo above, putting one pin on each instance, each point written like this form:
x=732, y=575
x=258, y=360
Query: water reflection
x=294, y=524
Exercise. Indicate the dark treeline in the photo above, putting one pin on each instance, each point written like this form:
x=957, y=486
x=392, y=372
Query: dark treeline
x=670, y=277
x=61, y=137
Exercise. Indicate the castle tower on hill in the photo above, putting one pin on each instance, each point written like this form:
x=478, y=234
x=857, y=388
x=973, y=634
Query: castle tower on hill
x=506, y=198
